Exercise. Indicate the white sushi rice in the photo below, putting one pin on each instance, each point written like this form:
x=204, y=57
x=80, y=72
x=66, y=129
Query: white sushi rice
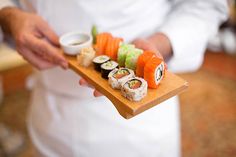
x=101, y=59
x=159, y=73
x=117, y=83
x=134, y=94
x=109, y=65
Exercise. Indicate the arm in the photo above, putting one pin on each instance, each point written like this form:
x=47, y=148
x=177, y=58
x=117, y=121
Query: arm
x=30, y=32
x=184, y=35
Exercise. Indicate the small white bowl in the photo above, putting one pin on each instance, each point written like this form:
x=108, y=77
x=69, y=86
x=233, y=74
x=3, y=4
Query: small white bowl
x=73, y=42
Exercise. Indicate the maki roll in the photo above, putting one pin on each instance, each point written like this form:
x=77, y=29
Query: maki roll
x=134, y=89
x=154, y=72
x=118, y=76
x=122, y=52
x=107, y=67
x=132, y=57
x=99, y=60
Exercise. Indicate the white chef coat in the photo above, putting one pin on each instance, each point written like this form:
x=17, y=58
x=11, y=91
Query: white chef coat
x=66, y=120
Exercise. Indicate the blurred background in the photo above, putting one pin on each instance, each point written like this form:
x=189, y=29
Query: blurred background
x=208, y=107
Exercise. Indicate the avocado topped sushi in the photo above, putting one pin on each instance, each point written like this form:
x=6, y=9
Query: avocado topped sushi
x=122, y=52
x=128, y=56
x=132, y=57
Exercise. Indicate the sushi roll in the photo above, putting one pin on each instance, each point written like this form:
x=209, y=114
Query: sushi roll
x=99, y=60
x=154, y=72
x=132, y=57
x=117, y=76
x=86, y=56
x=107, y=67
x=134, y=89
x=142, y=60
x=122, y=52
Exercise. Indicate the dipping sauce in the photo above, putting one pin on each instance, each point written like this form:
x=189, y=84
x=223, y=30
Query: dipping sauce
x=75, y=43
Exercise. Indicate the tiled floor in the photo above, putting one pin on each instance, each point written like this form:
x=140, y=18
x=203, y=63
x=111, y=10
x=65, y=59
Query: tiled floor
x=208, y=111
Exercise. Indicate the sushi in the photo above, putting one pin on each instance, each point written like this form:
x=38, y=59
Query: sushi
x=122, y=52
x=86, y=56
x=112, y=47
x=117, y=76
x=132, y=57
x=99, y=60
x=142, y=60
x=107, y=67
x=107, y=44
x=134, y=89
x=154, y=72
x=101, y=42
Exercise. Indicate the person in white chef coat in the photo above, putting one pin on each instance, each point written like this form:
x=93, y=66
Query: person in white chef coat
x=65, y=119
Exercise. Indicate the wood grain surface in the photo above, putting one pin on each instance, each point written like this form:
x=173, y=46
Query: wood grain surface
x=170, y=86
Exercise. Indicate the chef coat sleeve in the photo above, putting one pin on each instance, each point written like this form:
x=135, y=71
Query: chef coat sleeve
x=189, y=26
x=7, y=3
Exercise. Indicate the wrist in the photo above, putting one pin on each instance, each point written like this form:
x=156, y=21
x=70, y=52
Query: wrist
x=8, y=16
x=163, y=44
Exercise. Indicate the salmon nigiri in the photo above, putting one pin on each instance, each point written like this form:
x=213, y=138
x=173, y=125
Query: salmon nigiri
x=112, y=47
x=154, y=72
x=142, y=60
x=101, y=42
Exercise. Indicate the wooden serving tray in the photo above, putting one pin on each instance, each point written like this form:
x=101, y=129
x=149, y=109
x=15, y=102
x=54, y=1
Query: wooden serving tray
x=170, y=86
